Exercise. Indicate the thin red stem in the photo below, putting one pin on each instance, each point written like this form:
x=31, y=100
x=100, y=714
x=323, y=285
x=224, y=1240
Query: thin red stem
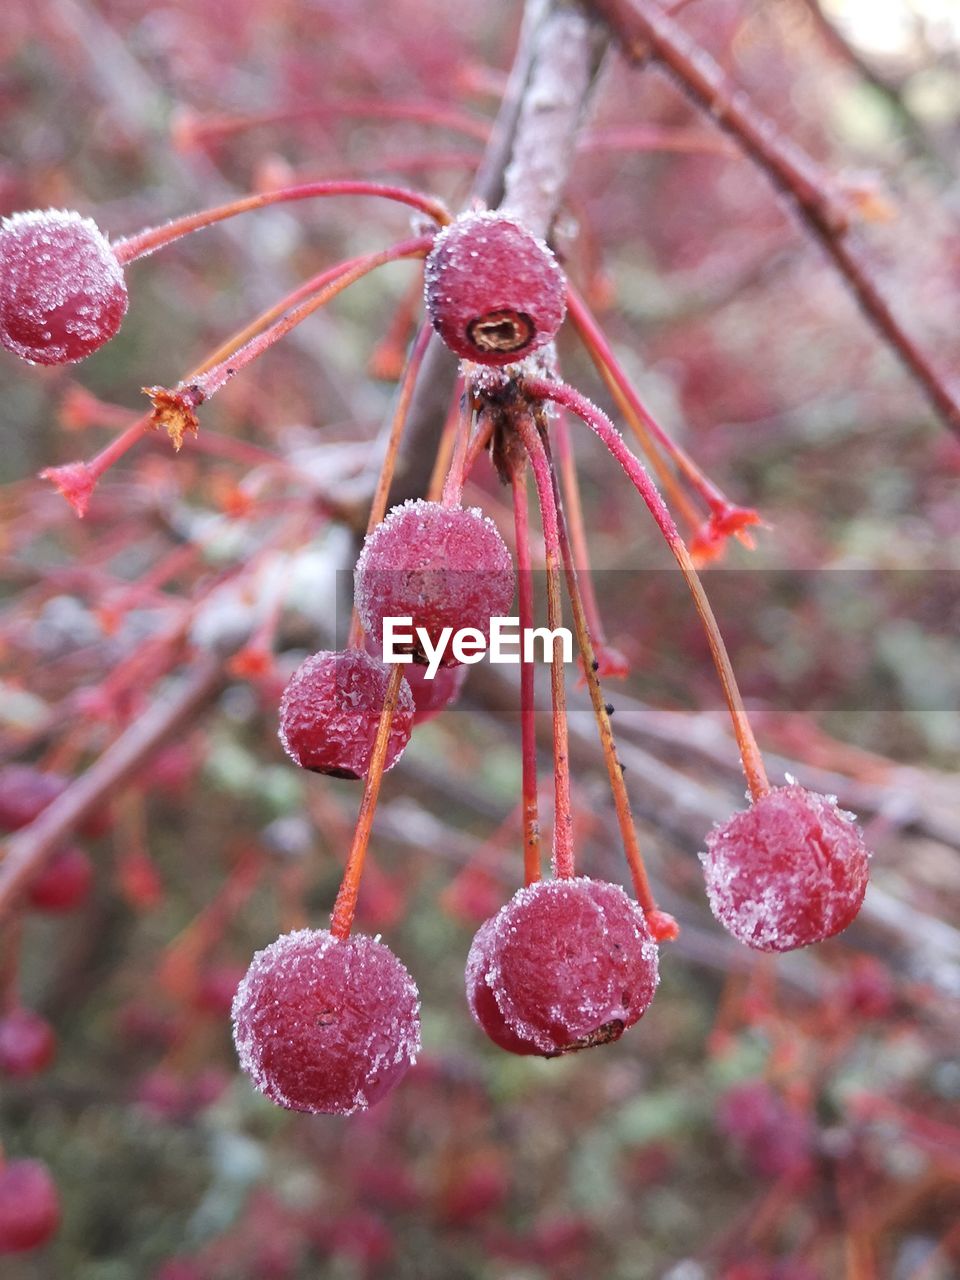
x=381, y=495
x=344, y=909
x=153, y=238
x=600, y=424
x=452, y=495
x=621, y=799
x=563, y=858
x=641, y=420
x=573, y=510
x=528, y=710
x=214, y=377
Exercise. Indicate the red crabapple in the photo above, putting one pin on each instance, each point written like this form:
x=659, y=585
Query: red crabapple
x=62, y=291
x=789, y=871
x=494, y=292
x=565, y=965
x=29, y=1205
x=330, y=712
x=480, y=998
x=64, y=882
x=27, y=1044
x=326, y=1024
x=430, y=697
x=443, y=567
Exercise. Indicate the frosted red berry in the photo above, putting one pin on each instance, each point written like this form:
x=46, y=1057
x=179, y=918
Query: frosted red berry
x=64, y=883
x=430, y=696
x=480, y=998
x=325, y=1024
x=27, y=1044
x=567, y=964
x=29, y=1205
x=494, y=292
x=330, y=712
x=789, y=871
x=443, y=567
x=62, y=290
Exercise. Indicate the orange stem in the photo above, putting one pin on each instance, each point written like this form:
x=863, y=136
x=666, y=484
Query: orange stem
x=345, y=906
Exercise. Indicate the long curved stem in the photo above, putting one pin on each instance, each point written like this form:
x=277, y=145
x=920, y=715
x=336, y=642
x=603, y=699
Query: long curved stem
x=621, y=800
x=378, y=506
x=563, y=859
x=154, y=238
x=528, y=710
x=562, y=394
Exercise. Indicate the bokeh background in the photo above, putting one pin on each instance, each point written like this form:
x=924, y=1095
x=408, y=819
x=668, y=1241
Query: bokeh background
x=787, y=1121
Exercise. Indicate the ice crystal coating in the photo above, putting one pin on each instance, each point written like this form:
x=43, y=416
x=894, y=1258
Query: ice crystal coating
x=480, y=998
x=330, y=712
x=494, y=292
x=565, y=965
x=27, y=1043
x=64, y=882
x=789, y=871
x=29, y=1205
x=441, y=566
x=324, y=1024
x=62, y=290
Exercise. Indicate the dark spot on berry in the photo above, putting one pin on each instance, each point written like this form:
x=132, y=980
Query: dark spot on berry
x=504, y=331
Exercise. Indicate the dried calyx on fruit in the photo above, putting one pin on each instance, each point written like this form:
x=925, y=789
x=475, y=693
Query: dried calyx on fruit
x=62, y=289
x=443, y=567
x=330, y=711
x=567, y=964
x=327, y=1024
x=789, y=871
x=494, y=292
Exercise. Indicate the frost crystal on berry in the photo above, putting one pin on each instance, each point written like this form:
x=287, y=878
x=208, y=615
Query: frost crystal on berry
x=330, y=712
x=789, y=871
x=62, y=290
x=326, y=1024
x=440, y=566
x=494, y=292
x=566, y=964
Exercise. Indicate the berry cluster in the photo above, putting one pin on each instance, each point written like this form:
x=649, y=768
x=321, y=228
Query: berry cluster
x=328, y=1021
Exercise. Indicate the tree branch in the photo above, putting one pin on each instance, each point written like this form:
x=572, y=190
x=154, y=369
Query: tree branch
x=525, y=165
x=643, y=31
x=27, y=851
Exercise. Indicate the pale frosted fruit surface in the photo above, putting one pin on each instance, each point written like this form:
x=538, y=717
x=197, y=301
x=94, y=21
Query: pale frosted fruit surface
x=442, y=567
x=326, y=1025
x=790, y=870
x=330, y=712
x=480, y=998
x=569, y=964
x=62, y=291
x=29, y=1206
x=494, y=292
